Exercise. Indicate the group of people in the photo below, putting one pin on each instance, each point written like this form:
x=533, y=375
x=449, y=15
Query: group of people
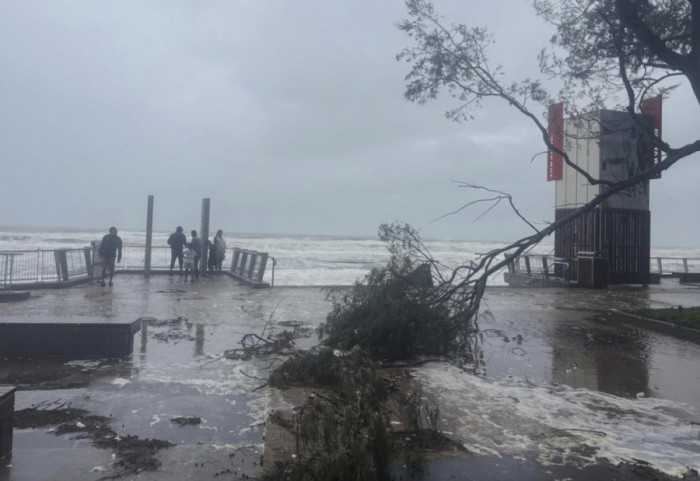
x=189, y=254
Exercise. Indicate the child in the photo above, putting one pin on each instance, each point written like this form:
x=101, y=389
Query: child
x=188, y=263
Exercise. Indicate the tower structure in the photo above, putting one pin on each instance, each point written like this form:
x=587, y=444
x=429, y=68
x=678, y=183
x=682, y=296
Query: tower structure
x=610, y=146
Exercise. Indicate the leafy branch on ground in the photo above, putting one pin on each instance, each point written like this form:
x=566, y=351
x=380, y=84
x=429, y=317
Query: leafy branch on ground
x=359, y=422
x=346, y=429
x=395, y=313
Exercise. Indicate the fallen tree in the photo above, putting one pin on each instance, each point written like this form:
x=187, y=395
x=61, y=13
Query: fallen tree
x=615, y=52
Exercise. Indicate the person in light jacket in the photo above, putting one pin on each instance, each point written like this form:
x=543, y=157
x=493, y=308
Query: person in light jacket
x=219, y=249
x=197, y=246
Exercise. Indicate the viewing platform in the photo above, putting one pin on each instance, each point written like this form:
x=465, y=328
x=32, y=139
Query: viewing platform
x=25, y=270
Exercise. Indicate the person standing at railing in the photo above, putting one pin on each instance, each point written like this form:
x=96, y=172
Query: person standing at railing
x=110, y=248
x=176, y=241
x=189, y=262
x=197, y=246
x=211, y=258
x=219, y=249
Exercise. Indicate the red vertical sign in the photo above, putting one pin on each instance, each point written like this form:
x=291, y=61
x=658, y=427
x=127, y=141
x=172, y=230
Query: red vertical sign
x=652, y=108
x=555, y=131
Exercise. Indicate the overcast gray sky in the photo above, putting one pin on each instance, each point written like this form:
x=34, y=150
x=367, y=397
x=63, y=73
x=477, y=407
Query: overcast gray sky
x=289, y=115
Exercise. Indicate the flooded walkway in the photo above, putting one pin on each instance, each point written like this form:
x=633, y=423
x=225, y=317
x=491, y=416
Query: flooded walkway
x=565, y=391
x=177, y=371
x=559, y=382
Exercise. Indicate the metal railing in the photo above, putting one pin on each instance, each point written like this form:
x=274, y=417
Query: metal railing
x=540, y=266
x=40, y=265
x=668, y=266
x=43, y=266
x=134, y=258
x=249, y=266
x=545, y=266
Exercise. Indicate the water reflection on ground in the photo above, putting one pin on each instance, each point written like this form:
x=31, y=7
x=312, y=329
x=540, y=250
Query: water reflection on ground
x=561, y=382
x=570, y=337
x=178, y=369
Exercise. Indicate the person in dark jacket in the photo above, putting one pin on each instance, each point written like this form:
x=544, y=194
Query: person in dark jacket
x=110, y=248
x=176, y=241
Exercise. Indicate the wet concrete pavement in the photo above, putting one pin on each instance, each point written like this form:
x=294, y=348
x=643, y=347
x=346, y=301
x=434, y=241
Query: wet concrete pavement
x=177, y=370
x=573, y=337
x=565, y=391
x=554, y=349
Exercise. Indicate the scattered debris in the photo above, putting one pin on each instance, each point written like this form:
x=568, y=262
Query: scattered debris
x=254, y=345
x=133, y=454
x=153, y=322
x=186, y=420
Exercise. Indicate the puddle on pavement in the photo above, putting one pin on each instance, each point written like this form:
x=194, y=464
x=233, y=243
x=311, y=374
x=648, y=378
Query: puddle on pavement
x=585, y=349
x=559, y=386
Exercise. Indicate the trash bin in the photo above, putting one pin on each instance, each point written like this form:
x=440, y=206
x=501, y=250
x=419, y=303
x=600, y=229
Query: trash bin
x=592, y=270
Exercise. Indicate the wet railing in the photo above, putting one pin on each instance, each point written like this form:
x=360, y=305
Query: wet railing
x=134, y=258
x=40, y=265
x=550, y=266
x=670, y=266
x=248, y=266
x=43, y=266
x=547, y=267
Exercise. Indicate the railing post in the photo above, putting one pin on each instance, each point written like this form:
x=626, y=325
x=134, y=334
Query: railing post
x=511, y=263
x=660, y=265
x=685, y=265
x=236, y=258
x=244, y=261
x=204, y=234
x=39, y=263
x=149, y=237
x=545, y=267
x=527, y=265
x=87, y=252
x=253, y=258
x=263, y=264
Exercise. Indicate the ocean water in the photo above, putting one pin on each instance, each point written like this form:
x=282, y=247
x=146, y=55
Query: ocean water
x=299, y=260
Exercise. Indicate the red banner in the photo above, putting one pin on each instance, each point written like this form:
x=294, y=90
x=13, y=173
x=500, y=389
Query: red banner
x=555, y=131
x=652, y=108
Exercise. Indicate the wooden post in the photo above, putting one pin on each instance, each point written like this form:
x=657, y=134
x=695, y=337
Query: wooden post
x=205, y=235
x=149, y=237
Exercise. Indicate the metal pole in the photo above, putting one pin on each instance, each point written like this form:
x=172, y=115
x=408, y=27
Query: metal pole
x=205, y=235
x=149, y=237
